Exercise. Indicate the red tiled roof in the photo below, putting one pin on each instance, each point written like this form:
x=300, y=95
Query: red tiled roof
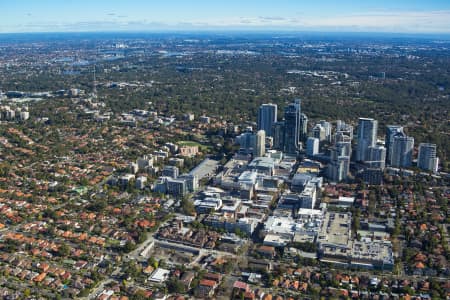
x=206, y=282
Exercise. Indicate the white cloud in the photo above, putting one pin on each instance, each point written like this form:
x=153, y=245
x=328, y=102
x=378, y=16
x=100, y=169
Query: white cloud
x=376, y=21
x=432, y=21
x=408, y=21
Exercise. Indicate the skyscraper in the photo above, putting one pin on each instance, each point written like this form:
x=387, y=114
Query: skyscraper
x=94, y=86
x=246, y=141
x=319, y=132
x=344, y=146
x=427, y=159
x=401, y=151
x=367, y=137
x=376, y=157
x=312, y=146
x=339, y=166
x=303, y=127
x=345, y=129
x=391, y=132
x=278, y=135
x=260, y=144
x=267, y=116
x=327, y=127
x=292, y=116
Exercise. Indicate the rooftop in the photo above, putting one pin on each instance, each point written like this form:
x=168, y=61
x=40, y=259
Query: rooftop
x=159, y=275
x=335, y=229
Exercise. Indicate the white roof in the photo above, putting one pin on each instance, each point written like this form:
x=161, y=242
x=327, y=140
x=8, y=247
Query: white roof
x=159, y=275
x=347, y=199
x=309, y=211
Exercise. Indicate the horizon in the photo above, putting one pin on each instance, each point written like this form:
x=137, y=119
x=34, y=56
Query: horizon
x=52, y=16
x=234, y=33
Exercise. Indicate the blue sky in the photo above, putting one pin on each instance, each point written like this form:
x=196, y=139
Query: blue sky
x=413, y=16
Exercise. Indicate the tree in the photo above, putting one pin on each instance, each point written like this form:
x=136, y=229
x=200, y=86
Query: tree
x=356, y=220
x=64, y=250
x=27, y=293
x=187, y=207
x=162, y=263
x=129, y=246
x=305, y=246
x=174, y=285
x=227, y=267
x=153, y=262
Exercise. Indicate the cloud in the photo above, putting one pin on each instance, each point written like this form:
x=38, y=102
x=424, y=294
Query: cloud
x=272, y=18
x=383, y=21
x=246, y=21
x=409, y=21
x=375, y=21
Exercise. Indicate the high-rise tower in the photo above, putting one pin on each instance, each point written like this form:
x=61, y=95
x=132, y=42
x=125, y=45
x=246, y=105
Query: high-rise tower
x=94, y=85
x=401, y=151
x=391, y=132
x=367, y=137
x=427, y=159
x=292, y=115
x=260, y=144
x=267, y=116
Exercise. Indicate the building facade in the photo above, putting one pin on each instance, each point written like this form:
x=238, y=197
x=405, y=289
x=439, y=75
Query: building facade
x=401, y=151
x=292, y=116
x=260, y=144
x=391, y=132
x=367, y=137
x=427, y=159
x=312, y=146
x=267, y=116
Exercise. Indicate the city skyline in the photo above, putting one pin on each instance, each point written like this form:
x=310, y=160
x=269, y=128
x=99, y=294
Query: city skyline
x=174, y=15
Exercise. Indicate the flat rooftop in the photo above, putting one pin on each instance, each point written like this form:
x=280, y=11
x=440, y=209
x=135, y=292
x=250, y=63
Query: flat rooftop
x=159, y=275
x=205, y=169
x=336, y=229
x=373, y=251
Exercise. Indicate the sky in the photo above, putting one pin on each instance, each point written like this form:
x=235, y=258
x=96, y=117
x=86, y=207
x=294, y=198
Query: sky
x=397, y=16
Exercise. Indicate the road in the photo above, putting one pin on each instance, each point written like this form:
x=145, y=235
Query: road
x=135, y=255
x=96, y=291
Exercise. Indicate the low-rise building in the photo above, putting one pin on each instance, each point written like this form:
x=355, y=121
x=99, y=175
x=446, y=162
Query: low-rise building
x=188, y=151
x=159, y=275
x=140, y=182
x=337, y=246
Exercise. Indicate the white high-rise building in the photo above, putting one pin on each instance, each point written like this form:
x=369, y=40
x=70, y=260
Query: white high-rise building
x=339, y=166
x=312, y=146
x=24, y=115
x=252, y=143
x=338, y=170
x=427, y=159
x=260, y=144
x=367, y=137
x=319, y=132
x=327, y=127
